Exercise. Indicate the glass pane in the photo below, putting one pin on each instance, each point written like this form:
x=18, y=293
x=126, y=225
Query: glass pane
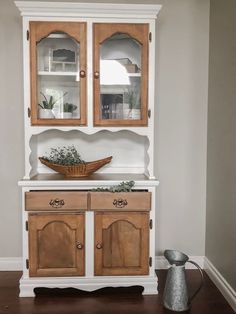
x=120, y=78
x=58, y=77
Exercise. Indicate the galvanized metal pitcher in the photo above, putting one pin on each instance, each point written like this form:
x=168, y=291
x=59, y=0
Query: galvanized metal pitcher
x=176, y=297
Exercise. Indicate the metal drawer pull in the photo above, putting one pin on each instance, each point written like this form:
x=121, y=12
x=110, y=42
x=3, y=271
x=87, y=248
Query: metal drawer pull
x=99, y=246
x=79, y=245
x=120, y=203
x=56, y=203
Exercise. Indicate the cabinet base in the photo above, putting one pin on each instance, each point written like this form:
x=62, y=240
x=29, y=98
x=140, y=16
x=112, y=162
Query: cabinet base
x=27, y=285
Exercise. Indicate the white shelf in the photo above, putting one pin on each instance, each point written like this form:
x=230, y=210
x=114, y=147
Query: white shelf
x=134, y=74
x=47, y=73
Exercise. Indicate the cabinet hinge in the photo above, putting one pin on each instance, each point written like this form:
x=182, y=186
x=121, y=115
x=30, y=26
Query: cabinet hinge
x=150, y=261
x=27, y=263
x=150, y=36
x=150, y=224
x=27, y=35
x=149, y=113
x=26, y=226
x=29, y=112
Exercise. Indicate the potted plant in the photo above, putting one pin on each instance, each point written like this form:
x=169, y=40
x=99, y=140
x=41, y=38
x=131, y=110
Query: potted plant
x=46, y=106
x=68, y=110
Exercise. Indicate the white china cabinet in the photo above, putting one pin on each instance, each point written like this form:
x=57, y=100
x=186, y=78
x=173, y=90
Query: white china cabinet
x=89, y=81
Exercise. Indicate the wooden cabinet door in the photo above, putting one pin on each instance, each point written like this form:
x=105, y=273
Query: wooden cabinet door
x=121, y=243
x=120, y=74
x=58, y=73
x=56, y=244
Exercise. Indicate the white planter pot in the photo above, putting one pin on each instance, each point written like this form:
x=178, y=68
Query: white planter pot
x=127, y=114
x=135, y=114
x=66, y=115
x=46, y=114
x=131, y=114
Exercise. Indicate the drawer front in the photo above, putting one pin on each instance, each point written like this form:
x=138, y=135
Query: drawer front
x=56, y=200
x=134, y=201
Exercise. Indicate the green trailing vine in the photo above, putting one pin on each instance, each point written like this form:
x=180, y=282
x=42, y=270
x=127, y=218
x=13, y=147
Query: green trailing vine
x=122, y=187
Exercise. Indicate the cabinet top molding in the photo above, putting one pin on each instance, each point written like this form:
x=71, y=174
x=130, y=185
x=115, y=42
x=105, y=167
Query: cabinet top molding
x=72, y=9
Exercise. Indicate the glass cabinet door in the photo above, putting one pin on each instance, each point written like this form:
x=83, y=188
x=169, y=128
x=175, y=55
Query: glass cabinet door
x=120, y=74
x=58, y=73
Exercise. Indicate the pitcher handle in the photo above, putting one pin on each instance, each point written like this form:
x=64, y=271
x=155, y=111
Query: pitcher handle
x=201, y=283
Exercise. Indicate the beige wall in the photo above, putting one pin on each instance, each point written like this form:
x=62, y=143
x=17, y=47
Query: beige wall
x=181, y=118
x=11, y=129
x=181, y=113
x=221, y=169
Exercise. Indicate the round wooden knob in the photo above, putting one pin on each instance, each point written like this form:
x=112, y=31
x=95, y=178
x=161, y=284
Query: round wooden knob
x=82, y=73
x=99, y=246
x=96, y=75
x=79, y=246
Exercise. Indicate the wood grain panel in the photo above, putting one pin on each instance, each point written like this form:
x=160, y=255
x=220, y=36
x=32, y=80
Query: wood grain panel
x=41, y=200
x=119, y=239
x=137, y=201
x=121, y=243
x=53, y=240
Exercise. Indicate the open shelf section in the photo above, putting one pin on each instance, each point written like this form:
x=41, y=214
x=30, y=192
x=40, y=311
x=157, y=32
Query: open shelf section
x=129, y=150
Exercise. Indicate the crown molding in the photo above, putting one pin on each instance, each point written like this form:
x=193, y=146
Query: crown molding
x=86, y=10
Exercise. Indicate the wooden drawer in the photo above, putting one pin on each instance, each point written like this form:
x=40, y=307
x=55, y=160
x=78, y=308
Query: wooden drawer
x=56, y=200
x=134, y=201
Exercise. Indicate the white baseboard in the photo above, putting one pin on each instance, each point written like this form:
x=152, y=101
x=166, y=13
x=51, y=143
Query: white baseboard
x=228, y=292
x=11, y=263
x=15, y=263
x=162, y=263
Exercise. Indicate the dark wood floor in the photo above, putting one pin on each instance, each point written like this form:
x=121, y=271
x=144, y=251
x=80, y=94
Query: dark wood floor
x=208, y=301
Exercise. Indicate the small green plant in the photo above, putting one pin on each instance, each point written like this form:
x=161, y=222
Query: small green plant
x=49, y=104
x=66, y=155
x=69, y=107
